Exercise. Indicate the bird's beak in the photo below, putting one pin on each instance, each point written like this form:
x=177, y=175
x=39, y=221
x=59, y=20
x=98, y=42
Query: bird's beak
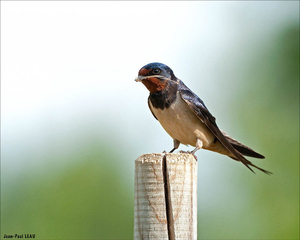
x=139, y=79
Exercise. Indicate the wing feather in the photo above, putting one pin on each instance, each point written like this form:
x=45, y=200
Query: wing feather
x=199, y=108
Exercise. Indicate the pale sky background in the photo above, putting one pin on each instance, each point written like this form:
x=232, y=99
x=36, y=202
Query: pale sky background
x=69, y=67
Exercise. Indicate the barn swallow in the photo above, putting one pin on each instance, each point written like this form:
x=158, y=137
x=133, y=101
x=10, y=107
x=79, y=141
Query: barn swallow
x=185, y=117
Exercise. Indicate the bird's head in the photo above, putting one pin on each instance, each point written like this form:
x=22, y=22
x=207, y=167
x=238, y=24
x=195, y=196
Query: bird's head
x=156, y=76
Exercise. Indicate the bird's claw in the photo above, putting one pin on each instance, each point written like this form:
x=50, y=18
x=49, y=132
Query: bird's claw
x=181, y=151
x=195, y=156
x=188, y=152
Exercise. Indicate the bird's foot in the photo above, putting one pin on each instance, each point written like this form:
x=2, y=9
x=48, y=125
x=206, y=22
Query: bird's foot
x=181, y=151
x=195, y=156
x=189, y=152
x=186, y=152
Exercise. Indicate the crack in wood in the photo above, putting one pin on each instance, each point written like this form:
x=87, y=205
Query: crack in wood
x=168, y=203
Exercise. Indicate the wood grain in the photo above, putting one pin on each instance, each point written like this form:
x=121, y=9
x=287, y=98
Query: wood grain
x=157, y=195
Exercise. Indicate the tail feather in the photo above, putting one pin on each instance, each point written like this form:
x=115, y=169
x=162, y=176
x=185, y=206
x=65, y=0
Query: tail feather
x=248, y=163
x=243, y=149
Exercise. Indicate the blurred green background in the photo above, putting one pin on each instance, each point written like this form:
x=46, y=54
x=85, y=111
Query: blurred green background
x=73, y=120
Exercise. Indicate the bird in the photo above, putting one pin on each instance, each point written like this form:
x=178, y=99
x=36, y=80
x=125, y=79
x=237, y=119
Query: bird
x=184, y=116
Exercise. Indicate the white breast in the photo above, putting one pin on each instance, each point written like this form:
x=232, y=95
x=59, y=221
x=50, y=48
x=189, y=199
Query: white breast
x=181, y=123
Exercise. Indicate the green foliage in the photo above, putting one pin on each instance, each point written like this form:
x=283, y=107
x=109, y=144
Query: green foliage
x=270, y=112
x=86, y=201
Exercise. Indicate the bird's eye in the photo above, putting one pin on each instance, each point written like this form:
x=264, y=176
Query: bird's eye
x=156, y=70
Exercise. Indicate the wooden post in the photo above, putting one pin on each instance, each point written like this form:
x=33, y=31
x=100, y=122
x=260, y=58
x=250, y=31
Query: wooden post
x=165, y=197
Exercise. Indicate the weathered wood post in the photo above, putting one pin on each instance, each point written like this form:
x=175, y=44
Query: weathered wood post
x=165, y=197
